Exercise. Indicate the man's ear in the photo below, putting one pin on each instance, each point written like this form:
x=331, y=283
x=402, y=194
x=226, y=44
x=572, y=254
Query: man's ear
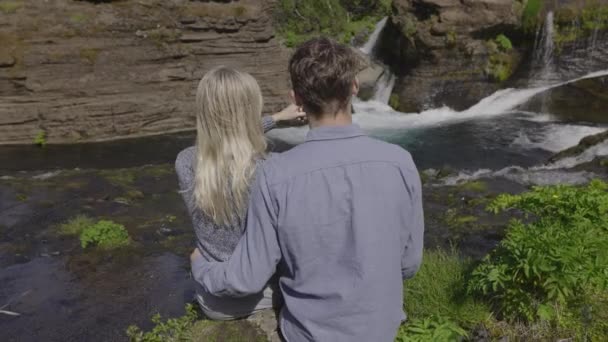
x=355, y=89
x=295, y=98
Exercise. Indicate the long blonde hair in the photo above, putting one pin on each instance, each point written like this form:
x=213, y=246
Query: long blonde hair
x=229, y=139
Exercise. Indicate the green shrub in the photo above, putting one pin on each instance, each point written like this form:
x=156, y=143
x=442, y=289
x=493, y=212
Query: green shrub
x=105, y=234
x=499, y=67
x=76, y=225
x=298, y=21
x=530, y=16
x=504, y=43
x=40, y=139
x=430, y=329
x=173, y=330
x=552, y=267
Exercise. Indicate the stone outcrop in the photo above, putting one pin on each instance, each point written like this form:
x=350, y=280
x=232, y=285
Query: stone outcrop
x=584, y=100
x=76, y=71
x=440, y=50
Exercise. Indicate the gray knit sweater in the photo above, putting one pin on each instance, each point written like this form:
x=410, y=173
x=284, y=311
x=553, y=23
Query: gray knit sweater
x=216, y=242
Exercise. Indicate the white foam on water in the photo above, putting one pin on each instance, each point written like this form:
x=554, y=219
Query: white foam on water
x=599, y=150
x=555, y=137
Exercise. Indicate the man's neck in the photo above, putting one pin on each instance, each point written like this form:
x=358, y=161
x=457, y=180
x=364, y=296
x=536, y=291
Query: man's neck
x=341, y=118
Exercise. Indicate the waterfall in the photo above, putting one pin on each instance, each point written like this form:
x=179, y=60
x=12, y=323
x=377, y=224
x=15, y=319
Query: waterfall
x=369, y=46
x=385, y=84
x=377, y=117
x=543, y=60
x=384, y=87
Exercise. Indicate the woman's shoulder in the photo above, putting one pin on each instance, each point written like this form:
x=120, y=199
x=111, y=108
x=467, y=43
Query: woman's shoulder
x=185, y=160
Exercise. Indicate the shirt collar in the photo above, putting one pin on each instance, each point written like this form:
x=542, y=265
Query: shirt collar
x=334, y=132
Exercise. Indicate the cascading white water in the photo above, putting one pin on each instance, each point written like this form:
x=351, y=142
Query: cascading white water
x=369, y=46
x=384, y=88
x=543, y=61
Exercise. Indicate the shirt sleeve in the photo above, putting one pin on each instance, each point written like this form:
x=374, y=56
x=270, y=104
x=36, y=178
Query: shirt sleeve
x=268, y=123
x=411, y=257
x=254, y=260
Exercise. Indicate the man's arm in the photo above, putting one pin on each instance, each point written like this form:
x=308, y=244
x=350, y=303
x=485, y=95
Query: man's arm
x=255, y=258
x=414, y=230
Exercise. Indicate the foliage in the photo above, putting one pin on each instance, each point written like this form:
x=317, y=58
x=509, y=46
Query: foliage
x=550, y=268
x=530, y=16
x=76, y=225
x=8, y=7
x=40, y=139
x=105, y=234
x=394, y=101
x=430, y=329
x=439, y=290
x=499, y=67
x=173, y=330
x=298, y=21
x=572, y=25
x=504, y=43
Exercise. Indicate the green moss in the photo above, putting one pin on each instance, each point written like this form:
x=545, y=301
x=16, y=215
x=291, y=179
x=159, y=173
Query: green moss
x=499, y=67
x=89, y=54
x=76, y=225
x=105, y=234
x=9, y=7
x=474, y=186
x=450, y=39
x=21, y=197
x=572, y=25
x=40, y=139
x=240, y=11
x=78, y=18
x=531, y=15
x=119, y=177
x=394, y=101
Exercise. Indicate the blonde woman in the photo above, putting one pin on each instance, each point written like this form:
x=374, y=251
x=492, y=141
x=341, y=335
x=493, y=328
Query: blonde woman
x=214, y=175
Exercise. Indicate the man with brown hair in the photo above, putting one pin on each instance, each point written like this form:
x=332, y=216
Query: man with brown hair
x=339, y=217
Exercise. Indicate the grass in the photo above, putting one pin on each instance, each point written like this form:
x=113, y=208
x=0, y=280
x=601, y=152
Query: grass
x=40, y=139
x=190, y=328
x=76, y=225
x=9, y=7
x=439, y=290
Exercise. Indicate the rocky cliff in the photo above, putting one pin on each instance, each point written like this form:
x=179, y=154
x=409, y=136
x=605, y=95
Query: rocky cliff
x=445, y=51
x=75, y=71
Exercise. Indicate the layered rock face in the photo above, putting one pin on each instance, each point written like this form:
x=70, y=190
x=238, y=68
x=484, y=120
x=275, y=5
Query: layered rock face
x=440, y=49
x=76, y=71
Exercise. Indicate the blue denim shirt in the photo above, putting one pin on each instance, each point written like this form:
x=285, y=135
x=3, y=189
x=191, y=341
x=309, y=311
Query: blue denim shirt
x=339, y=218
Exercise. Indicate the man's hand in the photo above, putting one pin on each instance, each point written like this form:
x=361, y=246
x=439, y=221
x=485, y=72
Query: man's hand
x=195, y=254
x=291, y=113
